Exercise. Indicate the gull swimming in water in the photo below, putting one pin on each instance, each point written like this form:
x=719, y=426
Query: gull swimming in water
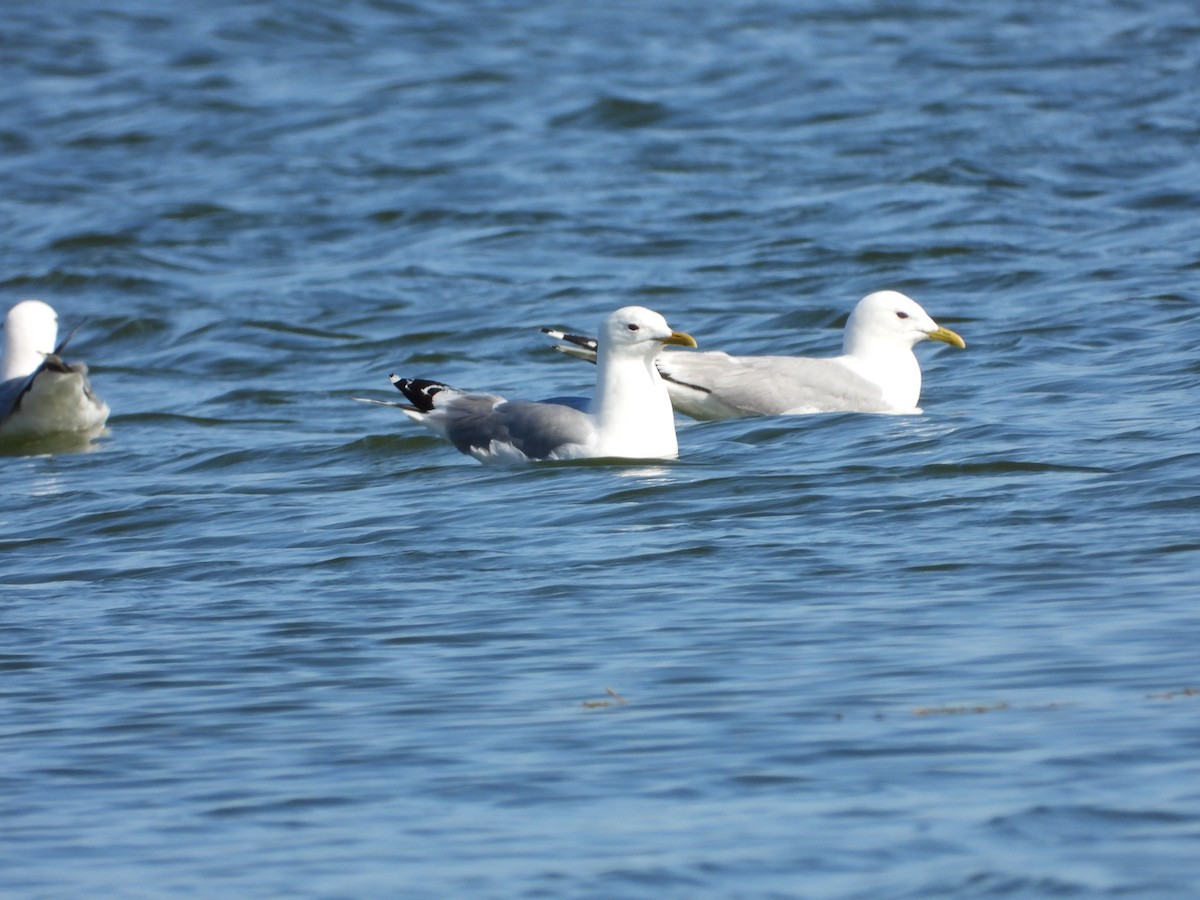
x=877, y=371
x=40, y=395
x=629, y=416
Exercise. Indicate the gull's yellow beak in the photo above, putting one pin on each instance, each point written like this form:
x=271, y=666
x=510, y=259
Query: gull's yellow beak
x=686, y=340
x=949, y=337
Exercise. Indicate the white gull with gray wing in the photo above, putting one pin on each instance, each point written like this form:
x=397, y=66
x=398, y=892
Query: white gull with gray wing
x=629, y=416
x=877, y=371
x=40, y=395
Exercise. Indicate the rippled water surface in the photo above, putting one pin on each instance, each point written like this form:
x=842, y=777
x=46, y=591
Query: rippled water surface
x=265, y=641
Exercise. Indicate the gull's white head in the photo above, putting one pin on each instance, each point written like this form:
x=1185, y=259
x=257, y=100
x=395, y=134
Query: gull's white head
x=889, y=319
x=637, y=331
x=30, y=331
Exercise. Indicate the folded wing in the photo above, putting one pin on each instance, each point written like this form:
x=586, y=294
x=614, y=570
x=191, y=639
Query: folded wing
x=716, y=385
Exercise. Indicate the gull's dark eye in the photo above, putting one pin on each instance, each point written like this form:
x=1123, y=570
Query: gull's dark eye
x=631, y=327
x=901, y=315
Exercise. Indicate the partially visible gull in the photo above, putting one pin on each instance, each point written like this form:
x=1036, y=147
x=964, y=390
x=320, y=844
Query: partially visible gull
x=40, y=395
x=629, y=416
x=877, y=371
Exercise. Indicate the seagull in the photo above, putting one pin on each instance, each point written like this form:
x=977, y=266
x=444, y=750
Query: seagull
x=877, y=371
x=629, y=416
x=40, y=395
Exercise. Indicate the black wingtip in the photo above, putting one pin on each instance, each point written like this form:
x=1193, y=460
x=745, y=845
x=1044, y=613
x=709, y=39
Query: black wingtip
x=62, y=345
x=578, y=339
x=418, y=391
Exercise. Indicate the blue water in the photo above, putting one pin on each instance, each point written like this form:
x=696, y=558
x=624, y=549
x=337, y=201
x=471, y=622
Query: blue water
x=265, y=641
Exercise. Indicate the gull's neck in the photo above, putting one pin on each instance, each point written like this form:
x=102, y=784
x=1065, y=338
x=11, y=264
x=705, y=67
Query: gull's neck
x=890, y=365
x=632, y=408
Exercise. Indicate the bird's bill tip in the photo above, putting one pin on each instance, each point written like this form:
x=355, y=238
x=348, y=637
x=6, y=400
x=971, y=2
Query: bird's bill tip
x=945, y=335
x=680, y=339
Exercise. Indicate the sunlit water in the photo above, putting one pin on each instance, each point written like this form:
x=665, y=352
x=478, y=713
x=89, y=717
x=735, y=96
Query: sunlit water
x=265, y=641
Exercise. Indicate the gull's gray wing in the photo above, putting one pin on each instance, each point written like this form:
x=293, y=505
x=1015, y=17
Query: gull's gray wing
x=715, y=385
x=477, y=424
x=583, y=404
x=11, y=393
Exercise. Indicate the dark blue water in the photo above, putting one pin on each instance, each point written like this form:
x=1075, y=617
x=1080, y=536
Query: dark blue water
x=265, y=641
